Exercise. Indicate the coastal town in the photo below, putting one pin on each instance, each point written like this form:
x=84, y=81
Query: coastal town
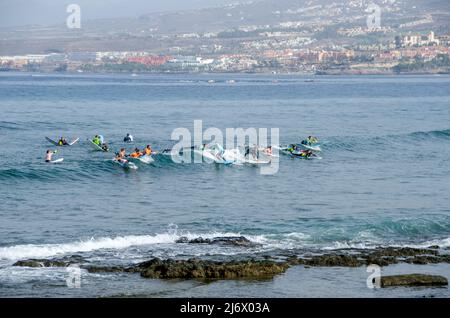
x=412, y=53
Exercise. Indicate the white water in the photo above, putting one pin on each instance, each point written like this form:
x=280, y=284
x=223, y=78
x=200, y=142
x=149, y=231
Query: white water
x=266, y=242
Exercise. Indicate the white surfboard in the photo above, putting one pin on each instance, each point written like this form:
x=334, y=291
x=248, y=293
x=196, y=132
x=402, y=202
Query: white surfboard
x=74, y=142
x=209, y=155
x=310, y=147
x=126, y=164
x=57, y=160
x=146, y=159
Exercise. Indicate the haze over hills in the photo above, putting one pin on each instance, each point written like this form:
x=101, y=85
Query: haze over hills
x=227, y=24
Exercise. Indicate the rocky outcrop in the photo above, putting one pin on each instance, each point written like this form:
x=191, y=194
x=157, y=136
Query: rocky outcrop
x=263, y=267
x=329, y=260
x=41, y=263
x=200, y=269
x=195, y=268
x=227, y=240
x=381, y=257
x=413, y=280
x=63, y=262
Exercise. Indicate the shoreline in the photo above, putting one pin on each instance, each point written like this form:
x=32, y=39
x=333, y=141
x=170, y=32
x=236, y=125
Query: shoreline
x=408, y=272
x=254, y=265
x=306, y=75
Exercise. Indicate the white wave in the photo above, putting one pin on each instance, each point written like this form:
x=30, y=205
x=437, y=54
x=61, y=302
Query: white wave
x=266, y=242
x=372, y=244
x=120, y=242
x=443, y=243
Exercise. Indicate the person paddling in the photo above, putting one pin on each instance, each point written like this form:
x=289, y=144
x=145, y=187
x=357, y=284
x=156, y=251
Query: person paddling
x=62, y=141
x=120, y=156
x=147, y=151
x=136, y=154
x=306, y=153
x=96, y=140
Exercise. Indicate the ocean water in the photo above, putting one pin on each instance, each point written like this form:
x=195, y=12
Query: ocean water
x=384, y=177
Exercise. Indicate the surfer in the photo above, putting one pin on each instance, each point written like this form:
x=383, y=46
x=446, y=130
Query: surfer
x=311, y=140
x=292, y=148
x=120, y=156
x=306, y=153
x=49, y=154
x=136, y=154
x=105, y=147
x=96, y=140
x=147, y=151
x=62, y=141
x=268, y=151
x=251, y=150
x=128, y=138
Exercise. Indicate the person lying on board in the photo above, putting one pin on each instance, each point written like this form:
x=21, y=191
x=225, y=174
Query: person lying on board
x=62, y=141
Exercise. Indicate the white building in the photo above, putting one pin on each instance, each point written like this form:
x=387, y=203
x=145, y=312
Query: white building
x=421, y=40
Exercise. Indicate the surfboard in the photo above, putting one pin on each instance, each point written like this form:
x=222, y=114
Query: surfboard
x=301, y=157
x=310, y=147
x=207, y=154
x=146, y=159
x=58, y=145
x=57, y=160
x=126, y=165
x=74, y=142
x=256, y=161
x=95, y=146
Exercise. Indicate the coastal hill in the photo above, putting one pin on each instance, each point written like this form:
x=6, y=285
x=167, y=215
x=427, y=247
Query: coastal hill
x=224, y=29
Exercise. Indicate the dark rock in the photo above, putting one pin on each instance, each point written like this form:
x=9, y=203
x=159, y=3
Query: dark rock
x=195, y=268
x=232, y=240
x=434, y=247
x=403, y=252
x=42, y=263
x=331, y=260
x=182, y=239
x=200, y=240
x=227, y=240
x=381, y=261
x=423, y=260
x=110, y=269
x=413, y=280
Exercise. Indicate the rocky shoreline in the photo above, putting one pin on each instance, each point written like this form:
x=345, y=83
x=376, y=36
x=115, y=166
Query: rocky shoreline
x=266, y=267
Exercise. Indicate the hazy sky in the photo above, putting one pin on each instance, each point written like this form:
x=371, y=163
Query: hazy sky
x=26, y=12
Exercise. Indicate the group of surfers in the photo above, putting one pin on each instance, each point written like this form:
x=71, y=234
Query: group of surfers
x=99, y=141
x=121, y=155
x=147, y=151
x=304, y=153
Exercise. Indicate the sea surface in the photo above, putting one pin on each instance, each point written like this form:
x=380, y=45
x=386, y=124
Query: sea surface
x=384, y=179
